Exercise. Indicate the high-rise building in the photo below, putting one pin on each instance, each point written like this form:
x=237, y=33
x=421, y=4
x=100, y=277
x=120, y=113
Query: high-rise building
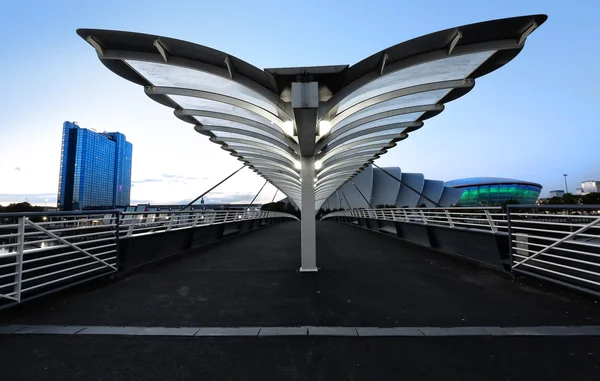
x=95, y=169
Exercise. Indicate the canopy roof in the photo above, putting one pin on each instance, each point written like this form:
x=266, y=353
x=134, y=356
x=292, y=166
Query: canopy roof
x=363, y=109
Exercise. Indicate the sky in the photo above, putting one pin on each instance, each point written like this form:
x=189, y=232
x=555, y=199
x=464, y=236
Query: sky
x=534, y=119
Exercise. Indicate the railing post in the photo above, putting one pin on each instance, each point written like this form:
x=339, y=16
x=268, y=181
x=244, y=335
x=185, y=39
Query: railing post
x=130, y=229
x=19, y=258
x=195, y=222
x=491, y=221
x=449, y=216
x=117, y=237
x=510, y=240
x=171, y=218
x=423, y=217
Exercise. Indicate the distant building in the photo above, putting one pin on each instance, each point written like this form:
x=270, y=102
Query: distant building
x=556, y=193
x=578, y=191
x=487, y=191
x=95, y=169
x=590, y=186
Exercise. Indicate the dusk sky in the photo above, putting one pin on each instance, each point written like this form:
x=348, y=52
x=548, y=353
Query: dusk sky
x=534, y=119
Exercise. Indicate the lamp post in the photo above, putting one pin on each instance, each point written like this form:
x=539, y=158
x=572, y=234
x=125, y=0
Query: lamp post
x=566, y=187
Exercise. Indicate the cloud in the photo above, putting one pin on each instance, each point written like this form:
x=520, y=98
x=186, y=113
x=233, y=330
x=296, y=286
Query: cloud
x=212, y=198
x=32, y=198
x=143, y=181
x=179, y=177
x=167, y=178
x=226, y=198
x=17, y=169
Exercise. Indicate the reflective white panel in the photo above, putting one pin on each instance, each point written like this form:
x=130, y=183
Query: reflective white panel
x=160, y=74
x=222, y=135
x=420, y=99
x=392, y=120
x=192, y=103
x=262, y=146
x=234, y=125
x=343, y=147
x=447, y=69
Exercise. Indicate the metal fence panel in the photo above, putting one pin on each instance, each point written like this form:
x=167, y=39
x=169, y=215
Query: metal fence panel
x=560, y=244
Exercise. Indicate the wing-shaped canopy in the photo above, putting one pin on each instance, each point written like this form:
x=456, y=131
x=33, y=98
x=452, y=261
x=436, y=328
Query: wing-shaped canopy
x=363, y=111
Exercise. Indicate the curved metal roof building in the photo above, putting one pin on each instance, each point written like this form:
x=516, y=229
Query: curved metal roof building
x=308, y=130
x=393, y=188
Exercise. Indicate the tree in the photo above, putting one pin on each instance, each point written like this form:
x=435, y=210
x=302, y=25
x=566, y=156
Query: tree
x=22, y=207
x=570, y=199
x=281, y=206
x=509, y=202
x=555, y=201
x=591, y=198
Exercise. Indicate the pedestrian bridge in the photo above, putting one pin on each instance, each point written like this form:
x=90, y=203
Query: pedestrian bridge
x=237, y=307
x=421, y=293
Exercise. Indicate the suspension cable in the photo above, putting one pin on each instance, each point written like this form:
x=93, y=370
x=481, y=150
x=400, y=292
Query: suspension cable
x=203, y=194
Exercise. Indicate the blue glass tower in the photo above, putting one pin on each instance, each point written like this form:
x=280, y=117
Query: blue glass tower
x=95, y=169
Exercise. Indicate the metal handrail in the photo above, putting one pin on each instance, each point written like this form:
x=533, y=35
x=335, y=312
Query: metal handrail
x=557, y=243
x=142, y=223
x=491, y=219
x=564, y=250
x=66, y=248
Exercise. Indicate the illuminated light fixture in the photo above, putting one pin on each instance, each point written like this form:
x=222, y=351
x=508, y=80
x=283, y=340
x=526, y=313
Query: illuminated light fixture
x=288, y=128
x=324, y=127
x=318, y=164
x=297, y=164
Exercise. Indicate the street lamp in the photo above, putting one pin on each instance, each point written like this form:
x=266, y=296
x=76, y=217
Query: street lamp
x=566, y=187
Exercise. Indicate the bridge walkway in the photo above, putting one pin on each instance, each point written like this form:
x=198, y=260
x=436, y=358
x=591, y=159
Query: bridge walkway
x=366, y=279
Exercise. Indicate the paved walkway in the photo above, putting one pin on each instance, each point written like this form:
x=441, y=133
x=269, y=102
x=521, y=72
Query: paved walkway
x=366, y=280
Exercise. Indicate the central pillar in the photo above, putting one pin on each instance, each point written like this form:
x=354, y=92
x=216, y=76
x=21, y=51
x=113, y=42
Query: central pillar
x=305, y=103
x=307, y=222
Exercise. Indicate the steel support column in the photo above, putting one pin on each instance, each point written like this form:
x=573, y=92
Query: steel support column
x=307, y=224
x=305, y=103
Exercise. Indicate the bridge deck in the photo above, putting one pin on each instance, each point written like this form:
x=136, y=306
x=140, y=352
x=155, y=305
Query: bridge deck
x=366, y=280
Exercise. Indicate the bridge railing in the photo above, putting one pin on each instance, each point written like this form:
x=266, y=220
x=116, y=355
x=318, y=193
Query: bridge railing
x=489, y=219
x=43, y=252
x=134, y=224
x=558, y=243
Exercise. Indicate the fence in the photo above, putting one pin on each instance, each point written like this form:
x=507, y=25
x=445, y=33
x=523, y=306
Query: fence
x=139, y=223
x=489, y=219
x=45, y=252
x=557, y=243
